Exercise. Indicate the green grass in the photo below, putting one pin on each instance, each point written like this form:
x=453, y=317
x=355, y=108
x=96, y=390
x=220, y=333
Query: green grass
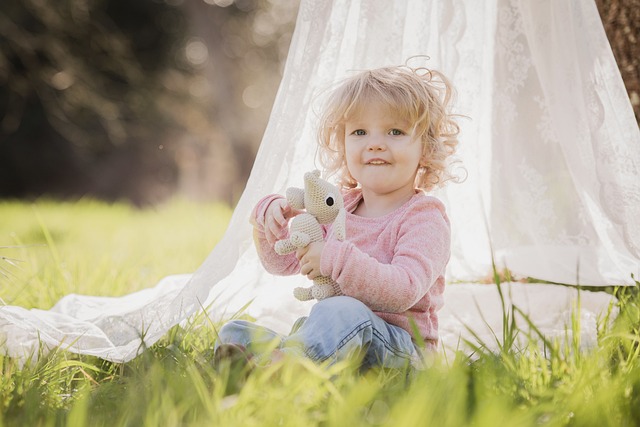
x=50, y=249
x=89, y=247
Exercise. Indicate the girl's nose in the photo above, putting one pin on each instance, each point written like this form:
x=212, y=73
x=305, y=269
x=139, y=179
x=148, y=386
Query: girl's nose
x=375, y=144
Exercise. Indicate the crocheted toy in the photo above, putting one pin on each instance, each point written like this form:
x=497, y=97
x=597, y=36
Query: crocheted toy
x=323, y=204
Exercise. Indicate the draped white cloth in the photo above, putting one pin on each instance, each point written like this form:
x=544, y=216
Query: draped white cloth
x=549, y=143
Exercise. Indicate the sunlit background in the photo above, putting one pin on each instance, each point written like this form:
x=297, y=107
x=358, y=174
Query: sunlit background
x=136, y=100
x=144, y=100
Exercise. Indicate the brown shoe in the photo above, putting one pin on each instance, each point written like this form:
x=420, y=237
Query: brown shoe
x=234, y=354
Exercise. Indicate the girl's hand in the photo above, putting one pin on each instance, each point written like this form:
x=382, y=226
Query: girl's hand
x=276, y=218
x=309, y=258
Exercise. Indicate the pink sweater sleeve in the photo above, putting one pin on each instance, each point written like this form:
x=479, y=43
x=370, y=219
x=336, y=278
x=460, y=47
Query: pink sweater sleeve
x=419, y=255
x=274, y=263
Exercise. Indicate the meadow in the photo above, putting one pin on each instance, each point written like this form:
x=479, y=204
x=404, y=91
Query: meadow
x=49, y=249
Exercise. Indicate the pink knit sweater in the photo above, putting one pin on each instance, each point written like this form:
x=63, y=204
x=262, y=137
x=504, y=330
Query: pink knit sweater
x=395, y=263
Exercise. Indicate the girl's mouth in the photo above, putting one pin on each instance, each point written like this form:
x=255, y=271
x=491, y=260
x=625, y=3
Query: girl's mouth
x=377, y=162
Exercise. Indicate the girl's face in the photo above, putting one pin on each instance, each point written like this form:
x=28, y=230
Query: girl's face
x=380, y=151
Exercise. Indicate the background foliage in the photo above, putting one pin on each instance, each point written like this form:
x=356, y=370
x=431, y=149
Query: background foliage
x=136, y=100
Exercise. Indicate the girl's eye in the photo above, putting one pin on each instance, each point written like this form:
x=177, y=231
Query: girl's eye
x=359, y=132
x=396, y=132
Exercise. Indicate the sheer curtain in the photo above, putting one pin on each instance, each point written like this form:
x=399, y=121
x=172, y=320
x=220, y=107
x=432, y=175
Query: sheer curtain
x=565, y=187
x=549, y=142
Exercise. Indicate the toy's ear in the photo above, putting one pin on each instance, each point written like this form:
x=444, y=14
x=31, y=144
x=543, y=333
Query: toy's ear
x=295, y=197
x=339, y=225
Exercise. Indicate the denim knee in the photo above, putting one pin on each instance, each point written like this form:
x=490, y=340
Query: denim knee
x=232, y=331
x=339, y=308
x=332, y=324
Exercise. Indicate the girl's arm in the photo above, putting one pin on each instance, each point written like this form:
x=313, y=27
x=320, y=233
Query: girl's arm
x=265, y=236
x=419, y=257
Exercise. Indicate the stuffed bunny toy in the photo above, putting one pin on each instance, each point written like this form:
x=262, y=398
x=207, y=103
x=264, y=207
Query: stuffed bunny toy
x=323, y=204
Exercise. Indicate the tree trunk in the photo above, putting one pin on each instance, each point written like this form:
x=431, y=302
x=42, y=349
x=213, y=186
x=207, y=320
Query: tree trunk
x=621, y=19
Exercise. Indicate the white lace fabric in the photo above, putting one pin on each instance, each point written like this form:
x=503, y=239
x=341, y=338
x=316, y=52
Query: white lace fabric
x=549, y=142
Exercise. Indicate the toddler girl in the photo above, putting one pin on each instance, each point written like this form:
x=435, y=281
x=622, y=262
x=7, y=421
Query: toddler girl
x=387, y=134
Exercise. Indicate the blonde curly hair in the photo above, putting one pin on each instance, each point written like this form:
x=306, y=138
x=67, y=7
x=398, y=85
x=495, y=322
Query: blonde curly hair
x=418, y=95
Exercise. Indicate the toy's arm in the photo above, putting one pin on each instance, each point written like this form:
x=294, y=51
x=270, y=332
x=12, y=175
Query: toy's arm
x=284, y=247
x=339, y=225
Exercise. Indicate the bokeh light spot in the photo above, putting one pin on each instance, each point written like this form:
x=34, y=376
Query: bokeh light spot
x=196, y=51
x=62, y=80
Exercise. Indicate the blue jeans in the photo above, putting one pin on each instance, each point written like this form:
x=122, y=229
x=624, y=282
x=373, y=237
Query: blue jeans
x=337, y=328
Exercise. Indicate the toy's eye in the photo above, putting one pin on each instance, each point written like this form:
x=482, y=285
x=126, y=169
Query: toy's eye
x=329, y=201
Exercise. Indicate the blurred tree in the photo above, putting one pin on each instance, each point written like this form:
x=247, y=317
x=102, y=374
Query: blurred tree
x=80, y=81
x=136, y=100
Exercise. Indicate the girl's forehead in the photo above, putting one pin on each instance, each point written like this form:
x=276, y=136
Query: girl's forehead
x=366, y=108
